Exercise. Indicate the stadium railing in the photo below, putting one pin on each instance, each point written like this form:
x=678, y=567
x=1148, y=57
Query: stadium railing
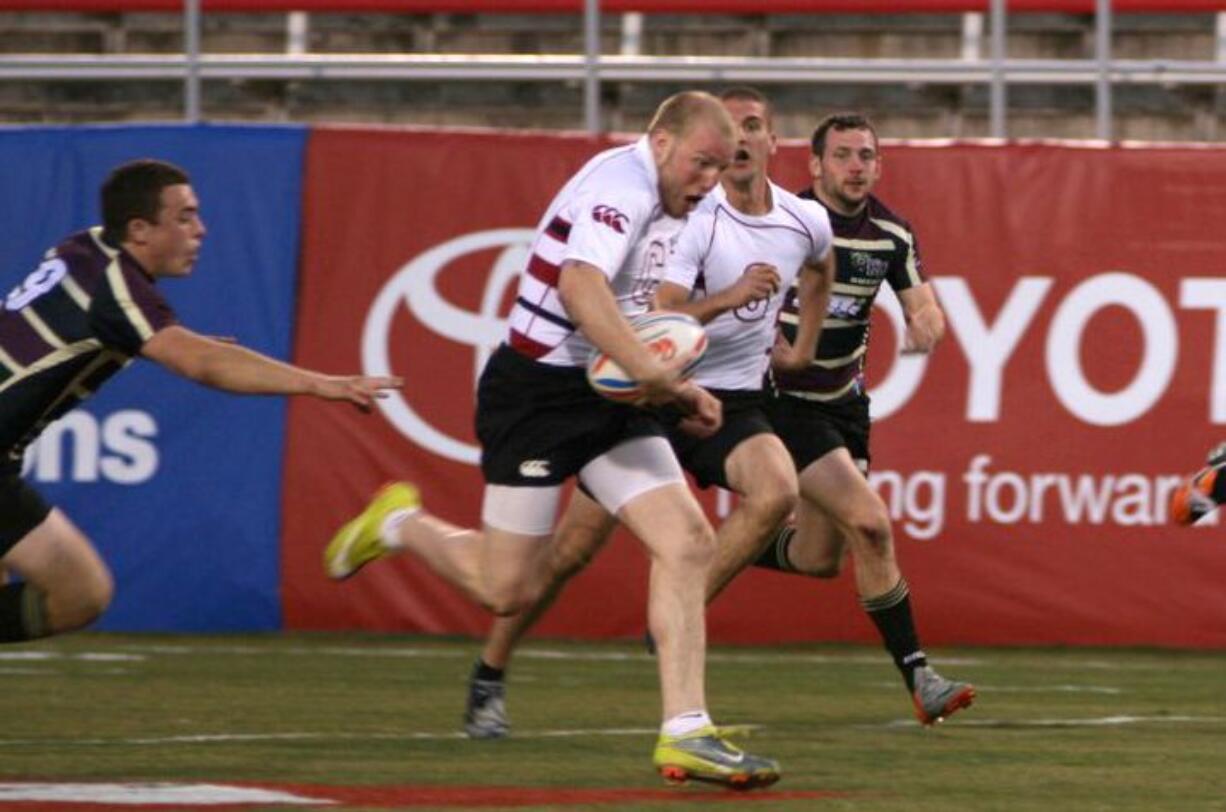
x=981, y=63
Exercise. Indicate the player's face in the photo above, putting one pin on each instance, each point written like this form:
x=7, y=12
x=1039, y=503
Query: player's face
x=756, y=140
x=171, y=244
x=690, y=165
x=847, y=169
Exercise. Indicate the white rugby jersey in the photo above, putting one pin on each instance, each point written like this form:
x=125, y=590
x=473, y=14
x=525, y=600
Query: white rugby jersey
x=608, y=215
x=715, y=248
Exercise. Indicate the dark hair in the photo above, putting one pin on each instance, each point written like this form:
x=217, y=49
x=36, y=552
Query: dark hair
x=133, y=191
x=747, y=93
x=840, y=122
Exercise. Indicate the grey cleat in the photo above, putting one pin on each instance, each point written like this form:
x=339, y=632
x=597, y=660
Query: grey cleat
x=485, y=715
x=936, y=697
x=705, y=755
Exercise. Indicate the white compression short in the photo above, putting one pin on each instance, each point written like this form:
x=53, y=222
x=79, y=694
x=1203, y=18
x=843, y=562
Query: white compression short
x=631, y=469
x=614, y=479
x=529, y=511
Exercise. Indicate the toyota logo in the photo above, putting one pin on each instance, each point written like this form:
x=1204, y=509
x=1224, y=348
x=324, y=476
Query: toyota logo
x=413, y=286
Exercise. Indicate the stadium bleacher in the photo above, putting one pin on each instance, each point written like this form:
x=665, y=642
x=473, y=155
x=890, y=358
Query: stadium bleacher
x=923, y=30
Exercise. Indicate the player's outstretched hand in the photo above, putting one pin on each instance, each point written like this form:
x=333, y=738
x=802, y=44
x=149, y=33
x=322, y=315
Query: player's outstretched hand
x=704, y=412
x=360, y=390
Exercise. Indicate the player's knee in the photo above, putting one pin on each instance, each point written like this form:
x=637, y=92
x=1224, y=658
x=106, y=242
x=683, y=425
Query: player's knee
x=76, y=606
x=830, y=568
x=506, y=603
x=773, y=502
x=506, y=608
x=694, y=546
x=823, y=566
x=815, y=559
x=872, y=528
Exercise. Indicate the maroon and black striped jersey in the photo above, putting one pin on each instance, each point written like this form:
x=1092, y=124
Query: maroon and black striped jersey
x=872, y=247
x=79, y=318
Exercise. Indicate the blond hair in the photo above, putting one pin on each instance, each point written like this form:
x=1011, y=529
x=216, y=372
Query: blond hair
x=680, y=112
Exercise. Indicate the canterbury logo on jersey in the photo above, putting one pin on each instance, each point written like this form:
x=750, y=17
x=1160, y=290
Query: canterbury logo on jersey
x=611, y=217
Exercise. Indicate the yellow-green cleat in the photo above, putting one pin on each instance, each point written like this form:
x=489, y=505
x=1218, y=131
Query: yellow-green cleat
x=704, y=755
x=360, y=540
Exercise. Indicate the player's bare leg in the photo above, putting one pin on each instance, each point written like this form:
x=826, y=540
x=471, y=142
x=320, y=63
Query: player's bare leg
x=681, y=543
x=584, y=528
x=503, y=570
x=67, y=585
x=833, y=487
x=670, y=523
x=839, y=512
x=760, y=471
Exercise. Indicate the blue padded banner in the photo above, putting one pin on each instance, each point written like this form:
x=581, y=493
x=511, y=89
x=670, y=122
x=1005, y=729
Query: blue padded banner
x=179, y=486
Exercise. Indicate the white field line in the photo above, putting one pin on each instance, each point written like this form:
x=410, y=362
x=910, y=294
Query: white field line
x=229, y=738
x=525, y=653
x=145, y=794
x=140, y=651
x=1030, y=689
x=719, y=656
x=84, y=656
x=1099, y=721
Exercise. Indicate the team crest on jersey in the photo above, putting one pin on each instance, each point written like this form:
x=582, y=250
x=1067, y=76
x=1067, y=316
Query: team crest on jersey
x=611, y=217
x=867, y=266
x=652, y=271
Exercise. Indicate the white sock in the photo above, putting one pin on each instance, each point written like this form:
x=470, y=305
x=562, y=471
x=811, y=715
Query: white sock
x=389, y=531
x=684, y=723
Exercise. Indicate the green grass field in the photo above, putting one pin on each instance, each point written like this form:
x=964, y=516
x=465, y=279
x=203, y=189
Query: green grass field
x=1058, y=729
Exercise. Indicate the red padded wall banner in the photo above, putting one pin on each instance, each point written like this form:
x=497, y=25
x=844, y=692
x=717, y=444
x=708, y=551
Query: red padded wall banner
x=1026, y=463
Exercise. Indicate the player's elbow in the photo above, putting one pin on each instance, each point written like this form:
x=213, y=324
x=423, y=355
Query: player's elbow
x=573, y=280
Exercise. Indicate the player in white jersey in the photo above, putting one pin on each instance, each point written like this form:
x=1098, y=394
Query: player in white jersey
x=754, y=233
x=540, y=423
x=733, y=263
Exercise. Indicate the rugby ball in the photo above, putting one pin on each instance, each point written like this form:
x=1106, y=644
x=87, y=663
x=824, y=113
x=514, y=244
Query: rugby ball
x=669, y=336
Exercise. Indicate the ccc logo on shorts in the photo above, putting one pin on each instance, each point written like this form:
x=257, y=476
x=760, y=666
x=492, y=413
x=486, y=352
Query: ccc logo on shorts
x=534, y=468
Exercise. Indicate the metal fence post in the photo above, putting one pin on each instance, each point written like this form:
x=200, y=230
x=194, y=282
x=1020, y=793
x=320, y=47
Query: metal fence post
x=591, y=66
x=1102, y=55
x=191, y=50
x=998, y=103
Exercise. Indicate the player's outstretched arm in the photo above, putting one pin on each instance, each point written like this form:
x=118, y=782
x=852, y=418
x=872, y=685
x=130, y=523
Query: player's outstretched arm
x=812, y=300
x=234, y=368
x=925, y=320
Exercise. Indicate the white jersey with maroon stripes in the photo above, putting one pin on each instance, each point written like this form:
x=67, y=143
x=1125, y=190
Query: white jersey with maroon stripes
x=608, y=215
x=716, y=247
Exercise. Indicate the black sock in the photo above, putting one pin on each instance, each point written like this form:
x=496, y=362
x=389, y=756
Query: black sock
x=775, y=555
x=487, y=673
x=1218, y=492
x=23, y=613
x=891, y=612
